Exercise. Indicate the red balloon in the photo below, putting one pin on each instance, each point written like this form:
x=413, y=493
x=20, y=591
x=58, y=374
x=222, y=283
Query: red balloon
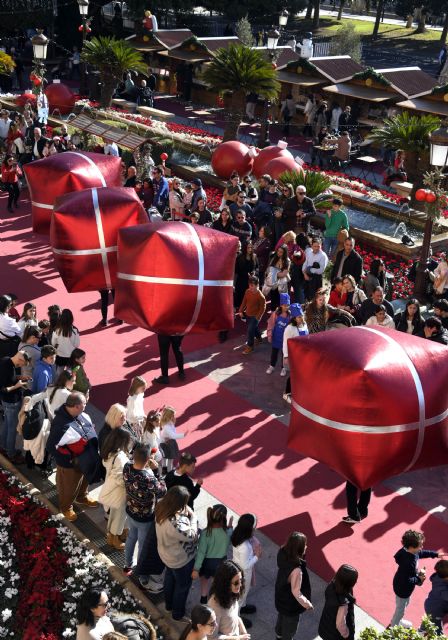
x=60, y=97
x=430, y=196
x=148, y=291
x=231, y=156
x=420, y=195
x=164, y=156
x=395, y=418
x=279, y=165
x=265, y=156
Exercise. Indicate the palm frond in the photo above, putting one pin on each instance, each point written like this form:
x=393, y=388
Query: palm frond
x=113, y=57
x=406, y=131
x=316, y=183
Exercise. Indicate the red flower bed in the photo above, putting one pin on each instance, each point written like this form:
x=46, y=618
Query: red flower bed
x=41, y=565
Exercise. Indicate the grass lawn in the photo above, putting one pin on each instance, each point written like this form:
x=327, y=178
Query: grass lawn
x=392, y=35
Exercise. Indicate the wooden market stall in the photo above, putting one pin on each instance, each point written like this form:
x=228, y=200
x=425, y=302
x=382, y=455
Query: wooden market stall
x=435, y=102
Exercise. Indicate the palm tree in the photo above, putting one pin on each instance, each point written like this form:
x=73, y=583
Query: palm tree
x=112, y=58
x=411, y=134
x=240, y=70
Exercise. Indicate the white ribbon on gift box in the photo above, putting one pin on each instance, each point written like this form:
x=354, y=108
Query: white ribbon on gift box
x=422, y=422
x=90, y=161
x=102, y=250
x=200, y=283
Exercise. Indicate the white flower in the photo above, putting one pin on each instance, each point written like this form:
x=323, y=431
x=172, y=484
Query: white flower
x=6, y=614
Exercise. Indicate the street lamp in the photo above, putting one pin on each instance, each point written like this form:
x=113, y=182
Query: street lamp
x=438, y=141
x=272, y=40
x=40, y=44
x=283, y=18
x=83, y=6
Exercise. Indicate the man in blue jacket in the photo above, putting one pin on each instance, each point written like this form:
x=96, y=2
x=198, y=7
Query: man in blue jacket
x=43, y=371
x=71, y=484
x=161, y=190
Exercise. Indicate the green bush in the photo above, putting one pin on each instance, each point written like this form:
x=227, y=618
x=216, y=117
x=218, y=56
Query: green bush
x=428, y=631
x=161, y=145
x=347, y=42
x=318, y=185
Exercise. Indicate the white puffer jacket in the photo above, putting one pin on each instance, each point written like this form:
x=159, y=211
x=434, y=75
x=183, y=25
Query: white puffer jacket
x=113, y=492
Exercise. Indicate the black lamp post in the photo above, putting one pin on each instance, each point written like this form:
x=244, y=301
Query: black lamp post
x=273, y=37
x=438, y=140
x=83, y=6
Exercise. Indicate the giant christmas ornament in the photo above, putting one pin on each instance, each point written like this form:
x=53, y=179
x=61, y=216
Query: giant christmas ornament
x=84, y=232
x=175, y=278
x=369, y=402
x=231, y=156
x=60, y=97
x=279, y=165
x=267, y=154
x=62, y=173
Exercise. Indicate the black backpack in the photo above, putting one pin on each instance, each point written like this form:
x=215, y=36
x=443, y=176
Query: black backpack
x=34, y=421
x=134, y=628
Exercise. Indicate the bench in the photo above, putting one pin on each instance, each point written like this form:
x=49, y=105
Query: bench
x=156, y=113
x=125, y=104
x=402, y=188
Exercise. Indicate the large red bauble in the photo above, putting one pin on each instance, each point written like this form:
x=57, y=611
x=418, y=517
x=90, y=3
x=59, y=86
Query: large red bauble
x=84, y=234
x=62, y=173
x=265, y=156
x=175, y=278
x=420, y=195
x=231, y=156
x=60, y=97
x=430, y=196
x=369, y=402
x=277, y=166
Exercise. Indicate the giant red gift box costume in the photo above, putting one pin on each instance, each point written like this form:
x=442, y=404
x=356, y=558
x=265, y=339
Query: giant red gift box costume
x=369, y=402
x=175, y=278
x=65, y=172
x=84, y=231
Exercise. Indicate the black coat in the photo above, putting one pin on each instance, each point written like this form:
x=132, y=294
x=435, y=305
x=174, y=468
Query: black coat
x=352, y=265
x=401, y=323
x=285, y=602
x=327, y=623
x=368, y=308
x=291, y=207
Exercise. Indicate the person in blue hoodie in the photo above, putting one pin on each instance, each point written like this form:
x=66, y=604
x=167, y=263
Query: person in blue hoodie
x=161, y=190
x=408, y=575
x=436, y=604
x=277, y=324
x=43, y=373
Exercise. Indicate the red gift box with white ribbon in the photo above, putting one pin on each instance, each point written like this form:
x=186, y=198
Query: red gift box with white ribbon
x=63, y=173
x=84, y=232
x=369, y=402
x=175, y=278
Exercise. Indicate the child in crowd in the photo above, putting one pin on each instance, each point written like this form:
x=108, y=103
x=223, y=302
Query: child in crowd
x=169, y=437
x=182, y=477
x=338, y=616
x=28, y=318
x=188, y=196
x=381, y=318
x=135, y=412
x=12, y=311
x=44, y=328
x=77, y=361
x=277, y=324
x=213, y=547
x=151, y=434
x=296, y=327
x=436, y=604
x=246, y=550
x=254, y=306
x=408, y=575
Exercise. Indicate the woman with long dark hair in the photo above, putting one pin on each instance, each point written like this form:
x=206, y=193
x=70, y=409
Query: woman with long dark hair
x=65, y=338
x=410, y=320
x=292, y=586
x=91, y=615
x=278, y=266
x=224, y=222
x=226, y=591
x=202, y=624
x=337, y=621
x=262, y=249
x=376, y=277
x=177, y=542
x=61, y=390
x=245, y=552
x=115, y=454
x=246, y=265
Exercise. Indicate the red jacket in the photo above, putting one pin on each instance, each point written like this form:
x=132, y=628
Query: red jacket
x=11, y=174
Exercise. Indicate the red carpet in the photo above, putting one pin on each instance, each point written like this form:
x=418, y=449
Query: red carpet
x=242, y=450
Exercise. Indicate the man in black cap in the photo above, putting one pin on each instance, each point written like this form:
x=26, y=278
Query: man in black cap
x=198, y=192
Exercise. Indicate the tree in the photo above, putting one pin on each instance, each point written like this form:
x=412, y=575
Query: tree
x=240, y=70
x=379, y=13
x=347, y=42
x=244, y=32
x=112, y=58
x=410, y=133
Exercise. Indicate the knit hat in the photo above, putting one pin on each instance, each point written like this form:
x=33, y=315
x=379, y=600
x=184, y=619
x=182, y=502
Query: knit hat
x=284, y=299
x=296, y=310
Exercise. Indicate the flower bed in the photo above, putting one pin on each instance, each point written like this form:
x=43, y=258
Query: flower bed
x=44, y=570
